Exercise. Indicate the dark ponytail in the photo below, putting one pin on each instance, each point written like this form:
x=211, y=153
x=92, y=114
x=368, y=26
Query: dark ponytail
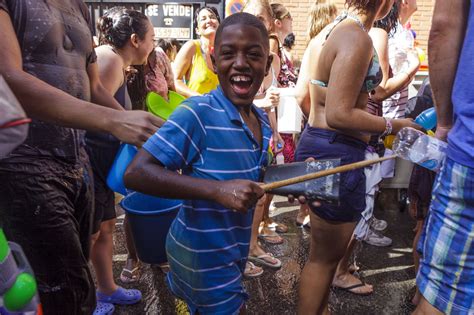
x=118, y=24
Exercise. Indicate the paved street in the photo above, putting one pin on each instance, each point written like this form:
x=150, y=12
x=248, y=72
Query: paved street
x=389, y=269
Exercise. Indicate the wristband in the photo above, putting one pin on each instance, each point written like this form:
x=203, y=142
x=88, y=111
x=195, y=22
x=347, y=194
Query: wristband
x=388, y=127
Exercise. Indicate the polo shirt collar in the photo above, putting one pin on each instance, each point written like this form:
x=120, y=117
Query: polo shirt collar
x=231, y=110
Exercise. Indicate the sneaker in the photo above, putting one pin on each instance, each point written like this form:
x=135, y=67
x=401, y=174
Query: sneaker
x=378, y=225
x=377, y=239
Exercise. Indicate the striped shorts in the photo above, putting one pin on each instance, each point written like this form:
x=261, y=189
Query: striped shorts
x=446, y=274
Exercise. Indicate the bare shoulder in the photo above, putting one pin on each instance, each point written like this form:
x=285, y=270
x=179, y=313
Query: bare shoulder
x=188, y=49
x=351, y=41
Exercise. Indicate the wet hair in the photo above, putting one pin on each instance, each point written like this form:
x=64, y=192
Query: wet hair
x=117, y=25
x=321, y=14
x=208, y=8
x=389, y=23
x=279, y=11
x=242, y=18
x=264, y=5
x=289, y=41
x=165, y=44
x=363, y=5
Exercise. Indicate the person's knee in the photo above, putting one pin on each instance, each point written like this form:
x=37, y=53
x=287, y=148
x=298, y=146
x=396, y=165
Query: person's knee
x=107, y=228
x=95, y=237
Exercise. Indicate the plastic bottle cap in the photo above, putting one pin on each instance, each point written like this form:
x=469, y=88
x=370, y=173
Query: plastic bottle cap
x=20, y=293
x=3, y=246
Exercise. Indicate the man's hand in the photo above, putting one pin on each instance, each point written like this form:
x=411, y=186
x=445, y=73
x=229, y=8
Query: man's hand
x=442, y=133
x=239, y=195
x=134, y=127
x=302, y=199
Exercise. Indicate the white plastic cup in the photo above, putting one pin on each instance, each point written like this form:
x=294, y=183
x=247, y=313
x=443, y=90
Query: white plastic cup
x=289, y=112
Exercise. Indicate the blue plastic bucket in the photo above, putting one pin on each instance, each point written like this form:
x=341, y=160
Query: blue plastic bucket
x=150, y=219
x=123, y=158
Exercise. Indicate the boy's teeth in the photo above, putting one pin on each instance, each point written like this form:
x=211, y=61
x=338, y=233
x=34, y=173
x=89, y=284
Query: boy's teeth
x=239, y=78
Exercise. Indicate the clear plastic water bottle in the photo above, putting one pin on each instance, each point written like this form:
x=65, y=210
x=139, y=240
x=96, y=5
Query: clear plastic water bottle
x=413, y=145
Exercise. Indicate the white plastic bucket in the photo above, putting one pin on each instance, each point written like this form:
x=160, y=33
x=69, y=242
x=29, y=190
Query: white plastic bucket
x=289, y=112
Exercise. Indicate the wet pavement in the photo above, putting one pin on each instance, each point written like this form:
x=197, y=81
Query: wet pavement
x=389, y=269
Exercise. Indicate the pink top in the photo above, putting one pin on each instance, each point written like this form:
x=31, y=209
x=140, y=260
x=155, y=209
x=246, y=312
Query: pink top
x=159, y=76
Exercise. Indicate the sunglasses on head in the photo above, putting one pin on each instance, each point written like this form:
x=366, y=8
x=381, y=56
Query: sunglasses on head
x=286, y=15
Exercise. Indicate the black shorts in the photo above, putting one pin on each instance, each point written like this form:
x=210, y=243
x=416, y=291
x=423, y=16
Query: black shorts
x=102, y=155
x=46, y=206
x=327, y=144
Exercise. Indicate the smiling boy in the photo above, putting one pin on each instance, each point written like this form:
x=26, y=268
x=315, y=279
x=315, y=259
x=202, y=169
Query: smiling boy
x=219, y=141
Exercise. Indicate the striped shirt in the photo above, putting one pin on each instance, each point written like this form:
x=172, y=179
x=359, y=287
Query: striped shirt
x=207, y=244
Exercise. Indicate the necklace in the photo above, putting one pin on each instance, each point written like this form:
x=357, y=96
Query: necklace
x=354, y=18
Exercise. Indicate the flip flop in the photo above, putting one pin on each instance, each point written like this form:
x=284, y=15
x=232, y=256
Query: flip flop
x=264, y=259
x=278, y=227
x=252, y=271
x=102, y=308
x=121, y=296
x=273, y=239
x=130, y=276
x=352, y=287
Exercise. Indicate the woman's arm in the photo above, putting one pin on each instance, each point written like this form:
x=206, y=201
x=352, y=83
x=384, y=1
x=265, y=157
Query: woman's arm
x=302, y=85
x=99, y=94
x=181, y=67
x=390, y=85
x=43, y=101
x=347, y=74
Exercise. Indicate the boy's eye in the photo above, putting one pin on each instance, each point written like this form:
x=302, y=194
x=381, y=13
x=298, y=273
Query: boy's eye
x=255, y=54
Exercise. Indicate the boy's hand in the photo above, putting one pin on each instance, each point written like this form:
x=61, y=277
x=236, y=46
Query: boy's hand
x=239, y=195
x=135, y=126
x=302, y=199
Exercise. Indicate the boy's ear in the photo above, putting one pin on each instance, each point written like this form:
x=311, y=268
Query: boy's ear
x=269, y=64
x=214, y=66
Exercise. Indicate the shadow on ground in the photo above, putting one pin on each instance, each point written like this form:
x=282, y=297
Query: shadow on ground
x=389, y=269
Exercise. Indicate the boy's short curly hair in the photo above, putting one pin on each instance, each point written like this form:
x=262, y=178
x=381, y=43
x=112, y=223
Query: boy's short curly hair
x=242, y=18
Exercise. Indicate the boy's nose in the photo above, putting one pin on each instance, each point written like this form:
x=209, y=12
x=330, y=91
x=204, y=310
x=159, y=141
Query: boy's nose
x=240, y=61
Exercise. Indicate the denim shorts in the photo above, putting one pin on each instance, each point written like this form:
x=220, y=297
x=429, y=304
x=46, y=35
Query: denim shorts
x=327, y=144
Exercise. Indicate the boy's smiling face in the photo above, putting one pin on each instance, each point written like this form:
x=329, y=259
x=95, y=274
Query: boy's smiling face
x=241, y=60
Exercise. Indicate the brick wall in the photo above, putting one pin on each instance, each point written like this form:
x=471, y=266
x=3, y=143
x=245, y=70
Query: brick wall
x=420, y=21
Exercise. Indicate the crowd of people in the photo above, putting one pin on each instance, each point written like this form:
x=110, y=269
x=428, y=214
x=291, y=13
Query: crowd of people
x=87, y=95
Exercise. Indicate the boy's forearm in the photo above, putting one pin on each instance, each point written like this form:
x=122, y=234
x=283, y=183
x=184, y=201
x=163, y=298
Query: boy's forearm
x=146, y=175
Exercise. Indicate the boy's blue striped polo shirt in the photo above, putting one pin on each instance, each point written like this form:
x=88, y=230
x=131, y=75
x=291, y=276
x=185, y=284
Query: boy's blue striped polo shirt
x=207, y=244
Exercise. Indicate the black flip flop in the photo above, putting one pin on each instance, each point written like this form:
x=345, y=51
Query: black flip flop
x=305, y=225
x=349, y=288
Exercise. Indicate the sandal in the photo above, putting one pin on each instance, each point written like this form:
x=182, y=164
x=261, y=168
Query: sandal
x=121, y=296
x=273, y=239
x=266, y=259
x=251, y=270
x=352, y=287
x=130, y=276
x=102, y=308
x=278, y=227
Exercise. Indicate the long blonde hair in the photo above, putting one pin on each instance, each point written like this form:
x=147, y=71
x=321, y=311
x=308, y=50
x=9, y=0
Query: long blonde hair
x=321, y=14
x=260, y=4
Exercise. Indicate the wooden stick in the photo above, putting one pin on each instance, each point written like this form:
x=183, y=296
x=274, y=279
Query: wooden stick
x=339, y=169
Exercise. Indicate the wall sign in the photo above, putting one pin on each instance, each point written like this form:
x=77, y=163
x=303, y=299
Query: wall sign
x=171, y=20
